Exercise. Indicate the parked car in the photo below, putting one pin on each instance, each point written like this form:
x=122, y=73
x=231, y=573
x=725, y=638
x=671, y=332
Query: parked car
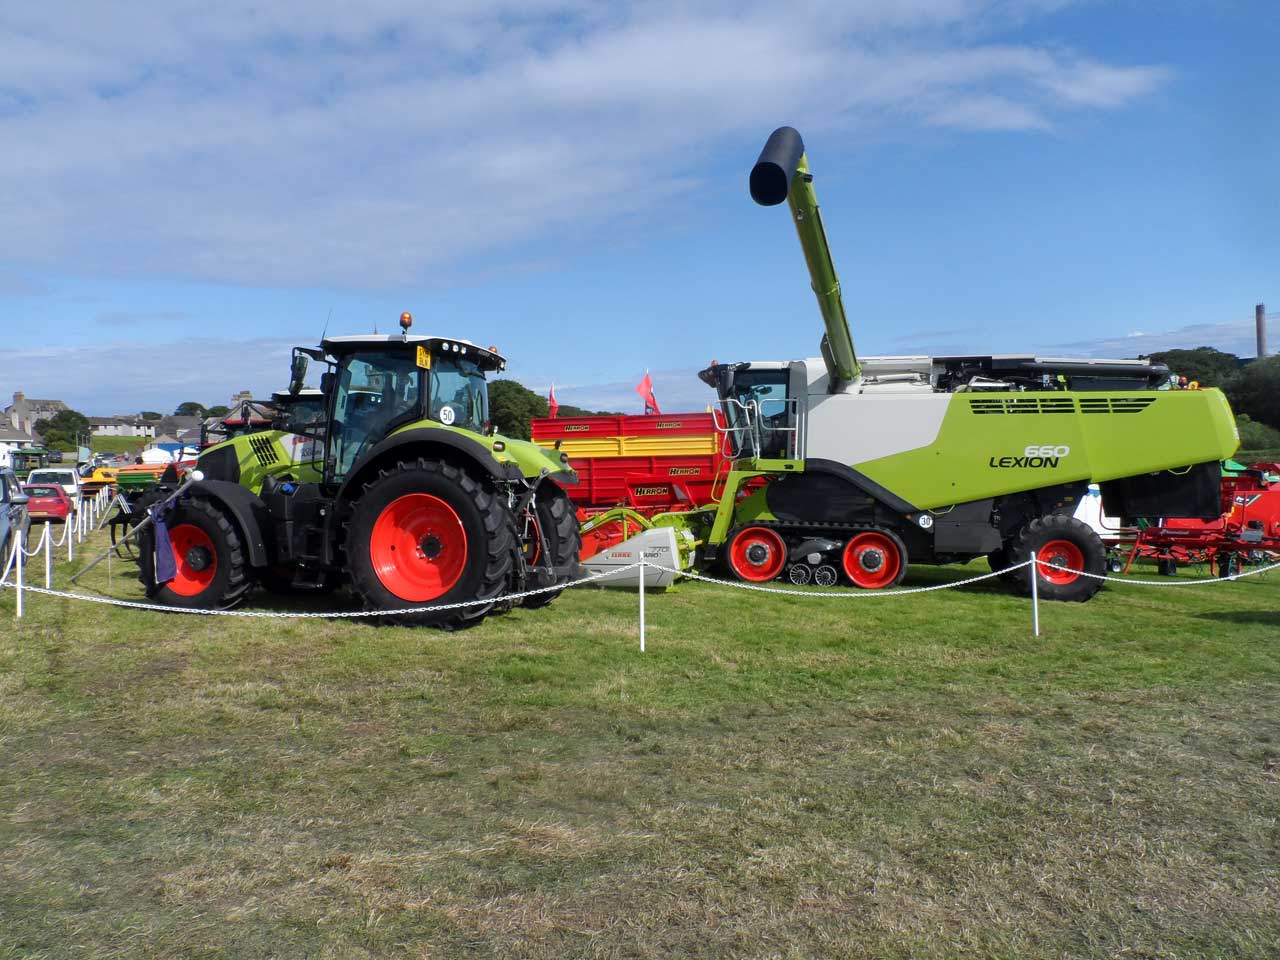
x=55, y=456
x=65, y=477
x=47, y=501
x=14, y=524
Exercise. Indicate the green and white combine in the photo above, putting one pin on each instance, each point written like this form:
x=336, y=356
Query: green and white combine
x=873, y=464
x=389, y=476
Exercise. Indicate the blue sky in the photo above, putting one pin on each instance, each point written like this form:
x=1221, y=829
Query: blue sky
x=186, y=192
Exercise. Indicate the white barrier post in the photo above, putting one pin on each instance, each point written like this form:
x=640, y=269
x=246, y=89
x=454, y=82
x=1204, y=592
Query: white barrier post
x=17, y=562
x=1035, y=594
x=641, y=602
x=69, y=534
x=47, y=544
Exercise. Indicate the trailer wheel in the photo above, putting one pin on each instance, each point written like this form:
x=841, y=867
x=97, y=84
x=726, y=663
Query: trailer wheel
x=1063, y=545
x=874, y=559
x=208, y=556
x=554, y=521
x=424, y=534
x=1167, y=567
x=756, y=554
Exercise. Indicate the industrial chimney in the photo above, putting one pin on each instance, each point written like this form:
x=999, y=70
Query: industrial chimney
x=1260, y=322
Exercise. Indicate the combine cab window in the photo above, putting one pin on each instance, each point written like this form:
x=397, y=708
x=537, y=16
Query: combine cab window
x=375, y=392
x=764, y=394
x=459, y=394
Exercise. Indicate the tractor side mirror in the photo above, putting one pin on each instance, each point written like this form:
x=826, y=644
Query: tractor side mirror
x=297, y=373
x=326, y=382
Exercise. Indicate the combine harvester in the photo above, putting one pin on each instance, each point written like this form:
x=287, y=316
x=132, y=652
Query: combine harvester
x=847, y=470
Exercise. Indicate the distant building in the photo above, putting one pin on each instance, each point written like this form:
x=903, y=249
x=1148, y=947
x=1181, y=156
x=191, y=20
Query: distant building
x=10, y=440
x=122, y=427
x=23, y=413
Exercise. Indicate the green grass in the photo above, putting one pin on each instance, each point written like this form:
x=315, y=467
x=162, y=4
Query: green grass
x=775, y=777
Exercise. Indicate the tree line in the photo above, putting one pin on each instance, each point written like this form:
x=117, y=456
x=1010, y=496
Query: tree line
x=1253, y=389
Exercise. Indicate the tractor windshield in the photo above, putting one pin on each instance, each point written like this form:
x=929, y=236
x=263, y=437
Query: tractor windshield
x=459, y=394
x=375, y=392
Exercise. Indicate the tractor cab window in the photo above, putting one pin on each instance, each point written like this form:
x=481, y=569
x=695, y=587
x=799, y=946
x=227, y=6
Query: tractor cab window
x=459, y=394
x=375, y=392
x=758, y=414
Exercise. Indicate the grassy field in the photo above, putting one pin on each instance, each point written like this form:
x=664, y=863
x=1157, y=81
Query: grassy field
x=775, y=777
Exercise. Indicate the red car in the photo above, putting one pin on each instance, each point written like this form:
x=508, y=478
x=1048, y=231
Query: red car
x=48, y=501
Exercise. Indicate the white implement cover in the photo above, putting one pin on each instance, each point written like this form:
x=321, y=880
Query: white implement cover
x=657, y=546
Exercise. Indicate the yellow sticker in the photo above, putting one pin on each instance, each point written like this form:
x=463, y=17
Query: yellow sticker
x=424, y=358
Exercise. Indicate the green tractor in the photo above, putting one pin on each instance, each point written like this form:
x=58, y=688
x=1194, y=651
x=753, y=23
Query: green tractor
x=390, y=477
x=848, y=469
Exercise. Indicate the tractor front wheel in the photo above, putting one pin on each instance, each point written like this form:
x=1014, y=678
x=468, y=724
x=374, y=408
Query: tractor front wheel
x=1066, y=550
x=424, y=534
x=208, y=558
x=550, y=539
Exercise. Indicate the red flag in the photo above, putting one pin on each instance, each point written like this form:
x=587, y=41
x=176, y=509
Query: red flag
x=645, y=389
x=551, y=402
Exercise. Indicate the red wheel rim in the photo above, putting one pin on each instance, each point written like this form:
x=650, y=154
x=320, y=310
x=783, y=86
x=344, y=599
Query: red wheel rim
x=872, y=561
x=757, y=554
x=191, y=546
x=1055, y=555
x=418, y=547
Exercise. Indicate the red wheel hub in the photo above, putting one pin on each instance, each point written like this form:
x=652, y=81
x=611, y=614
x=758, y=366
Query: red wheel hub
x=1056, y=555
x=195, y=559
x=757, y=554
x=418, y=547
x=872, y=560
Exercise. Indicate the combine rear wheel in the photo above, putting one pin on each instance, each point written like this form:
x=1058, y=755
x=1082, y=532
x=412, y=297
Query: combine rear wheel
x=552, y=524
x=756, y=554
x=1067, y=550
x=874, y=559
x=425, y=534
x=208, y=557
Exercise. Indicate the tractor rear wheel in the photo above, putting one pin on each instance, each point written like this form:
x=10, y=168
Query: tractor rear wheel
x=554, y=523
x=1067, y=549
x=208, y=557
x=425, y=534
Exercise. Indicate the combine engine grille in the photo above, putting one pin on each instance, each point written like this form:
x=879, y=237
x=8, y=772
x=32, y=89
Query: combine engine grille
x=1115, y=404
x=1022, y=404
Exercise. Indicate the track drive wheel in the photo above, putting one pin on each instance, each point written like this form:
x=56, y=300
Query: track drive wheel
x=208, y=554
x=874, y=559
x=1062, y=544
x=756, y=554
x=423, y=533
x=552, y=523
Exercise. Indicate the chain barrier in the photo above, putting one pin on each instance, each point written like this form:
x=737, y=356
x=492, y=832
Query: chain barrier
x=843, y=594
x=336, y=615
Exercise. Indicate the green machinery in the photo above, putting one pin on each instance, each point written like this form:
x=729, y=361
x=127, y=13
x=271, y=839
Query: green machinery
x=25, y=459
x=861, y=466
x=389, y=476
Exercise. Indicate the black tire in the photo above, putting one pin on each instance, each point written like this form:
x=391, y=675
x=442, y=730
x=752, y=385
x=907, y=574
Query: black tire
x=485, y=523
x=229, y=582
x=1058, y=528
x=1229, y=566
x=1167, y=567
x=558, y=524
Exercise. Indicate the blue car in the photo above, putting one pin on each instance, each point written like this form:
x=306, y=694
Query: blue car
x=14, y=526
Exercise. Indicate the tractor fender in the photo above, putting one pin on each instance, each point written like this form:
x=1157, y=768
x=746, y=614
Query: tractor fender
x=460, y=449
x=862, y=482
x=247, y=511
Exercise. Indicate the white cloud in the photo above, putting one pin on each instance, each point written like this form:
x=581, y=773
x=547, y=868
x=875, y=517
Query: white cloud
x=372, y=145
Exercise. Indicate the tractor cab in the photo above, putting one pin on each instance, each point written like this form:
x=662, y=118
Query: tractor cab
x=380, y=383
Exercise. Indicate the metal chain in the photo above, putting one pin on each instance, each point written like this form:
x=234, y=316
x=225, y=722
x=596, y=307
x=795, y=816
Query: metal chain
x=844, y=595
x=339, y=615
x=1160, y=583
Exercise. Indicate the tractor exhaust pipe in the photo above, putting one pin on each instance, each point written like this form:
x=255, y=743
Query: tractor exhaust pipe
x=782, y=173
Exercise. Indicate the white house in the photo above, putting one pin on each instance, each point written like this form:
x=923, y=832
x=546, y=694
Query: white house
x=122, y=427
x=10, y=440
